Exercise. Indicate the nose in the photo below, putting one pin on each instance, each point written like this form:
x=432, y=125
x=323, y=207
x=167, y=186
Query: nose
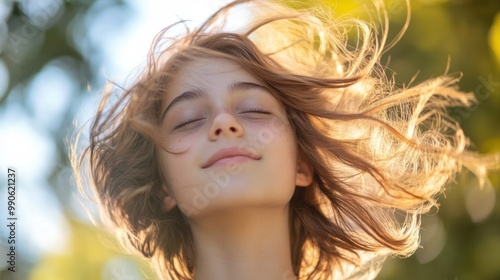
x=225, y=125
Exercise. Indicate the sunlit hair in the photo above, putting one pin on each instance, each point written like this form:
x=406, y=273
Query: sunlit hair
x=380, y=154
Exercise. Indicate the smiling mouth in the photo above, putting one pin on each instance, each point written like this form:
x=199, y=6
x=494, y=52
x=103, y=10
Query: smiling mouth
x=230, y=155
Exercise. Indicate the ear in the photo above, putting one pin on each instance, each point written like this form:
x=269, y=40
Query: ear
x=304, y=174
x=168, y=200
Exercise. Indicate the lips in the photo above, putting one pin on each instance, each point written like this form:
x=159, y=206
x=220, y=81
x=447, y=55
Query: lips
x=227, y=153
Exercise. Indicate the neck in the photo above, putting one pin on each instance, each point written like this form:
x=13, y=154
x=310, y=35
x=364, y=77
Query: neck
x=243, y=244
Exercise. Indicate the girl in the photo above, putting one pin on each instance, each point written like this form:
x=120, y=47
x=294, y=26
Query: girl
x=274, y=152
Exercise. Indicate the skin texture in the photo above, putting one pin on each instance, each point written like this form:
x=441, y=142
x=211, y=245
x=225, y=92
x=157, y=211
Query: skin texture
x=237, y=206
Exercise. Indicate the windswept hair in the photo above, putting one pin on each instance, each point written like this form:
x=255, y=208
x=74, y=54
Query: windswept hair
x=381, y=154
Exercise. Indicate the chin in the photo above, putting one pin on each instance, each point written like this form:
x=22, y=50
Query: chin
x=238, y=194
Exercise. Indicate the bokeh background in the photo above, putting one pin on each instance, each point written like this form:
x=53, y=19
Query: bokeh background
x=55, y=56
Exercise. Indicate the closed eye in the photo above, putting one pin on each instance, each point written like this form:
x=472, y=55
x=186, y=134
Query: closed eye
x=256, y=110
x=187, y=122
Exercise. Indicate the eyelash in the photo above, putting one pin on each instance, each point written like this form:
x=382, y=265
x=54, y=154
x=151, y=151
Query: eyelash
x=186, y=122
x=256, y=110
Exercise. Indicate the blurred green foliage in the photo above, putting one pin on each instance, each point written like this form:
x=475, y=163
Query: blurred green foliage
x=458, y=243
x=94, y=254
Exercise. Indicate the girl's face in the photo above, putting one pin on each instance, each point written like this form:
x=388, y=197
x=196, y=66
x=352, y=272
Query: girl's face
x=227, y=139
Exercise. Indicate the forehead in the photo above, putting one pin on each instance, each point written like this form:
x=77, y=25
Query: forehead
x=207, y=72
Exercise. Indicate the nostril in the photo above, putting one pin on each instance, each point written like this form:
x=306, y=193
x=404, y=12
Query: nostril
x=233, y=129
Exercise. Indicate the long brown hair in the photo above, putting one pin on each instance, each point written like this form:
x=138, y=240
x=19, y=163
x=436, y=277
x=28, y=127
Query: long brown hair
x=380, y=154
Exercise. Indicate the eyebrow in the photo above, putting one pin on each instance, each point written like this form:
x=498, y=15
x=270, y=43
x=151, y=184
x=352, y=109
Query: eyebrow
x=197, y=93
x=187, y=95
x=246, y=85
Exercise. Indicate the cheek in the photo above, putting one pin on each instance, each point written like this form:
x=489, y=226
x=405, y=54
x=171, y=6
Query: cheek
x=280, y=170
x=284, y=151
x=269, y=137
x=277, y=143
x=283, y=147
x=177, y=143
x=174, y=169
